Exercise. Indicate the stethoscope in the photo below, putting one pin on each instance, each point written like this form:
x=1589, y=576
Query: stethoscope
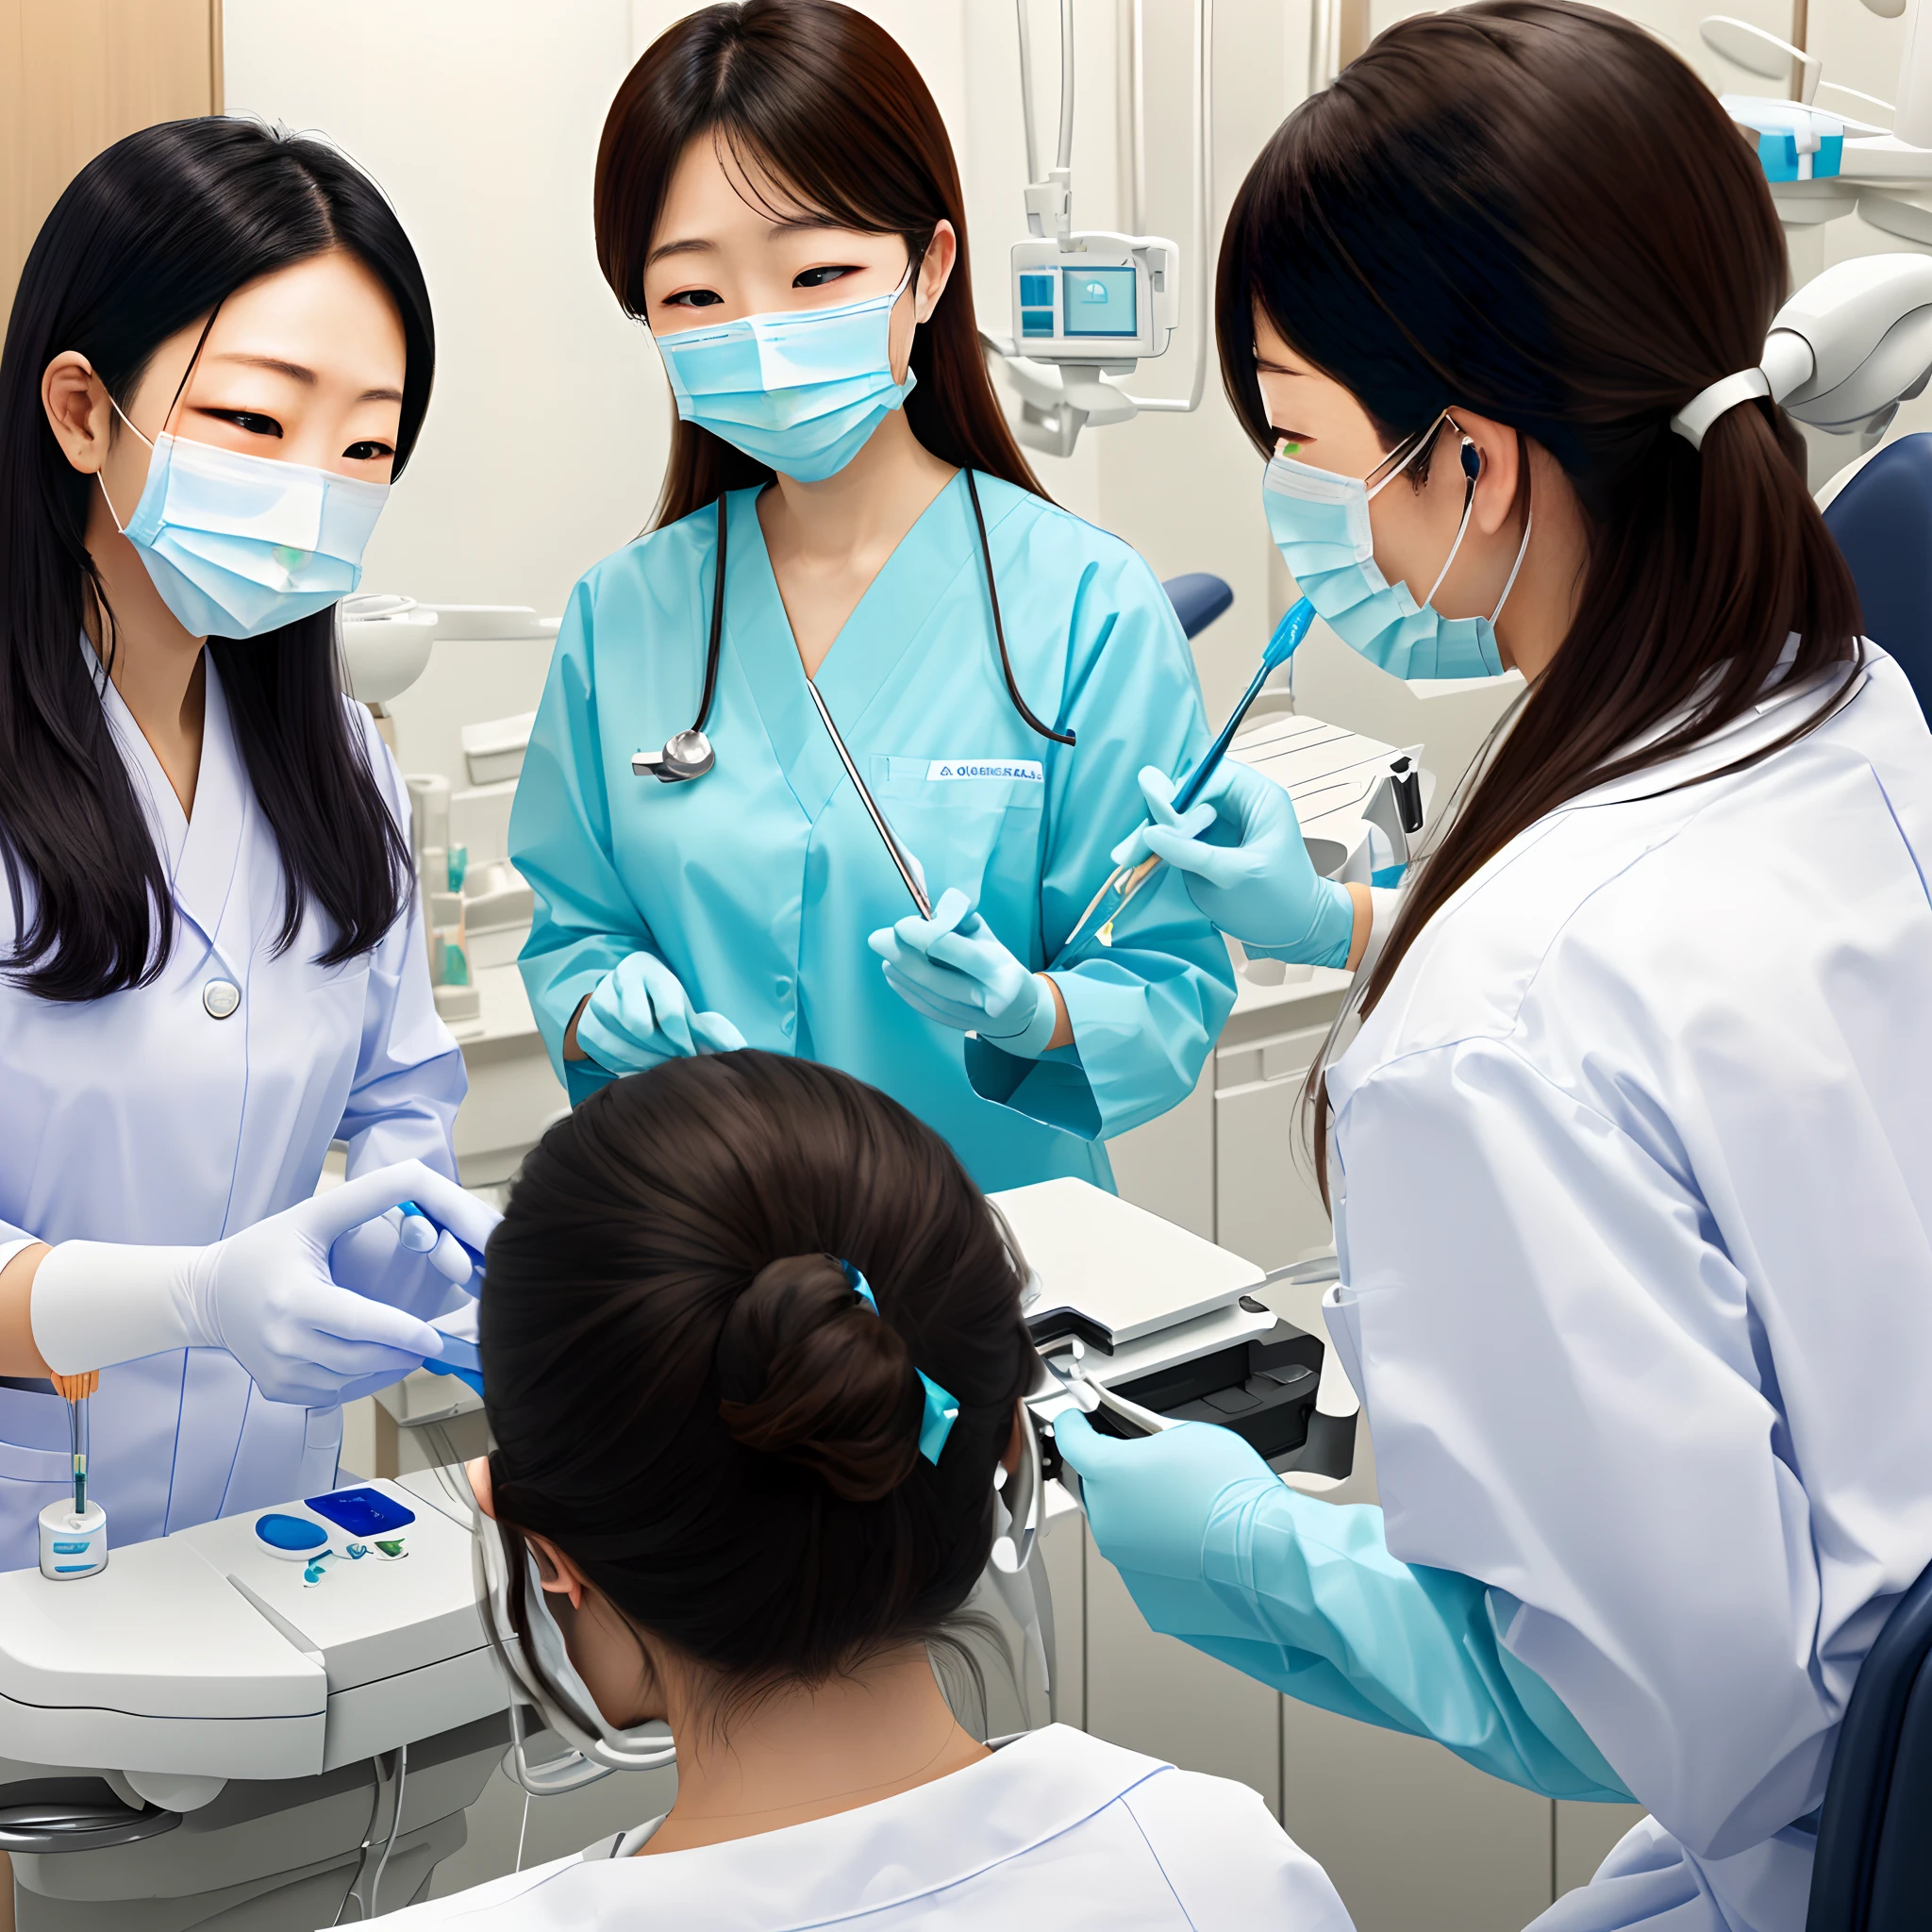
x=689, y=754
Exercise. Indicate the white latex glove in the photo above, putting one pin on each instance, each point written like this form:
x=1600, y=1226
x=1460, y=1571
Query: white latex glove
x=266, y=1294
x=375, y=1261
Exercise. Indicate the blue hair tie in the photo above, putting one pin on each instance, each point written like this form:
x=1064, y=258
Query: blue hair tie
x=942, y=1408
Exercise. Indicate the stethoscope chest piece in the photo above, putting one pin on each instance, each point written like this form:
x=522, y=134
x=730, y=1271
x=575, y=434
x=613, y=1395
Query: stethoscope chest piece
x=687, y=754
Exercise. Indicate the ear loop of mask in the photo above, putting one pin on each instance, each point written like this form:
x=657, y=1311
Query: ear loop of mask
x=1016, y=1578
x=173, y=404
x=1472, y=460
x=595, y=1750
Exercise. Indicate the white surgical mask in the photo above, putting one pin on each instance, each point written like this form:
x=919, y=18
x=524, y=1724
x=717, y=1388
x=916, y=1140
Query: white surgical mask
x=600, y=1745
x=1319, y=523
x=801, y=390
x=239, y=545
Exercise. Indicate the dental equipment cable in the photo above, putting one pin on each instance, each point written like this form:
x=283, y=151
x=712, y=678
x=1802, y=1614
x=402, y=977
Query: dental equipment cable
x=395, y=1820
x=1127, y=880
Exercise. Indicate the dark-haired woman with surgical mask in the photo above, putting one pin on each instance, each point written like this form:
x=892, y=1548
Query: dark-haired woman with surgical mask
x=1626, y=1130
x=851, y=560
x=219, y=356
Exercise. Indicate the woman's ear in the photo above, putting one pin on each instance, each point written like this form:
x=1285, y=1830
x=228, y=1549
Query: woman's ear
x=1016, y=1442
x=481, y=1487
x=1501, y=469
x=558, y=1576
x=78, y=412
x=935, y=271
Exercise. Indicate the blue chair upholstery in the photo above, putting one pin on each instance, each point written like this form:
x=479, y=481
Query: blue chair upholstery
x=1874, y=1836
x=1883, y=521
x=1198, y=599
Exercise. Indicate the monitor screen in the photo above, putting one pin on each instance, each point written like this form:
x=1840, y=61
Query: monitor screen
x=1099, y=301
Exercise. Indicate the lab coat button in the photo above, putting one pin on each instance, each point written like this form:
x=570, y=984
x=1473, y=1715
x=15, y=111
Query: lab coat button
x=220, y=997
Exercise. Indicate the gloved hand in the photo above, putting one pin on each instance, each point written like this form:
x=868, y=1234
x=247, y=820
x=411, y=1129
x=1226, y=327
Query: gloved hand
x=266, y=1295
x=1149, y=1501
x=953, y=968
x=1250, y=872
x=1304, y=1596
x=641, y=1014
x=379, y=1261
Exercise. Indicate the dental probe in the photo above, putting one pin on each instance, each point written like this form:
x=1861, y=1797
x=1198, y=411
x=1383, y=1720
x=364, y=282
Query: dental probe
x=1126, y=880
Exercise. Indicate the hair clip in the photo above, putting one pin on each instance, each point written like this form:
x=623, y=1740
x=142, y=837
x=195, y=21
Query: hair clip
x=942, y=1407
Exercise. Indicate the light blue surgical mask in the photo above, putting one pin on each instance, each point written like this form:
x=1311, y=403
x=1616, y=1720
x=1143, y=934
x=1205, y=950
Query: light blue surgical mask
x=239, y=545
x=800, y=390
x=1319, y=523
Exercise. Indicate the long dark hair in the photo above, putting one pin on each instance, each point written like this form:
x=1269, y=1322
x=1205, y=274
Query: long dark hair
x=824, y=100
x=688, y=1399
x=1539, y=213
x=150, y=237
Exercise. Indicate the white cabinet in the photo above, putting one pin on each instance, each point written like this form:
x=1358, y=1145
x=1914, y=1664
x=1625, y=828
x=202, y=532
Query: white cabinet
x=1224, y=1163
x=1267, y=1207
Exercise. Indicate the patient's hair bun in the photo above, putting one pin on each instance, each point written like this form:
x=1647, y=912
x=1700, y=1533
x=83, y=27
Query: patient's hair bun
x=808, y=1372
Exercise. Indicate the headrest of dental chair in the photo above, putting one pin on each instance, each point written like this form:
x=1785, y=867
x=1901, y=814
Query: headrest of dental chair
x=1882, y=518
x=1198, y=598
x=1873, y=1869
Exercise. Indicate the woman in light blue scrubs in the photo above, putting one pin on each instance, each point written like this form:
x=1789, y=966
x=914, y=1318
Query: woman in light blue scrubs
x=777, y=200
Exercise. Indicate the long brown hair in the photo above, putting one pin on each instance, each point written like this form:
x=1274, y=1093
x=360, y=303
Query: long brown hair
x=689, y=1398
x=1536, y=211
x=822, y=102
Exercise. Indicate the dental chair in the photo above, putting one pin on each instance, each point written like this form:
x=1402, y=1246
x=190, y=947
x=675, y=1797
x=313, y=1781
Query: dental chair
x=1198, y=598
x=1882, y=518
x=1873, y=1872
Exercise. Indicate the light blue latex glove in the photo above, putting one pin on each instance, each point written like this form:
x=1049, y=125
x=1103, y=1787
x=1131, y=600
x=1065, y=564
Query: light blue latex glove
x=1304, y=1596
x=641, y=1014
x=1249, y=871
x=953, y=968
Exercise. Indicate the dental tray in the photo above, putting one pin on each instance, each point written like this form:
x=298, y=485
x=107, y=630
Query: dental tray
x=1111, y=1273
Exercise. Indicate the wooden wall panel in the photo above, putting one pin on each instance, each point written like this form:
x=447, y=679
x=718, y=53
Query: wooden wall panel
x=78, y=75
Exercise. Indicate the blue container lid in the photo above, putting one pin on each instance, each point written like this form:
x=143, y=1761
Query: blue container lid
x=290, y=1532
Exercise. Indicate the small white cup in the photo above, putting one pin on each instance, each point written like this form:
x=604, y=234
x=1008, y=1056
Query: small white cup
x=73, y=1546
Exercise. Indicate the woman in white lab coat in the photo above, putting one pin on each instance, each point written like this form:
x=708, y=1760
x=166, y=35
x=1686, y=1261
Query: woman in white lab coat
x=219, y=353
x=753, y=1357
x=1628, y=1130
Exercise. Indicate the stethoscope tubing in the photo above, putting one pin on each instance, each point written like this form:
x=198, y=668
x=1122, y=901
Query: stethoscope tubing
x=664, y=767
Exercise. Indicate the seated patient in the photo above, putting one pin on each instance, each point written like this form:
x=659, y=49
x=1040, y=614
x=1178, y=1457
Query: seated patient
x=709, y=1457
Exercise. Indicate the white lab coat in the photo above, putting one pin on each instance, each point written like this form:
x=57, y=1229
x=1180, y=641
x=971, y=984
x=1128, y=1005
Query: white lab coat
x=1055, y=1830
x=141, y=1118
x=1634, y=1170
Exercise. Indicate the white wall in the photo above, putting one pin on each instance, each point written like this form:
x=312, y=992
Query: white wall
x=548, y=433
x=546, y=440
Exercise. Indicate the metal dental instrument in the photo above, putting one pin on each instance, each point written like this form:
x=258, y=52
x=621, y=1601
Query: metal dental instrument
x=897, y=852
x=1127, y=880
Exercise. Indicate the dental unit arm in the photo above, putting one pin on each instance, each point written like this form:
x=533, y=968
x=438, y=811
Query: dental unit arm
x=1854, y=343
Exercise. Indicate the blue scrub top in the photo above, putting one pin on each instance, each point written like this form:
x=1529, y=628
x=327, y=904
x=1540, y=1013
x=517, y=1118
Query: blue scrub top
x=758, y=883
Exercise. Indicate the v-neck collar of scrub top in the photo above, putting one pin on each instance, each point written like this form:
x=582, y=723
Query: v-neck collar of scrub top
x=200, y=854
x=915, y=1844
x=871, y=654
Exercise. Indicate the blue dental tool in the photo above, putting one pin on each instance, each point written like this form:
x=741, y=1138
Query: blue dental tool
x=1127, y=880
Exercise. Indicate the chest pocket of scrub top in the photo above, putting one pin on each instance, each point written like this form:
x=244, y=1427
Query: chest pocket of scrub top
x=972, y=823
